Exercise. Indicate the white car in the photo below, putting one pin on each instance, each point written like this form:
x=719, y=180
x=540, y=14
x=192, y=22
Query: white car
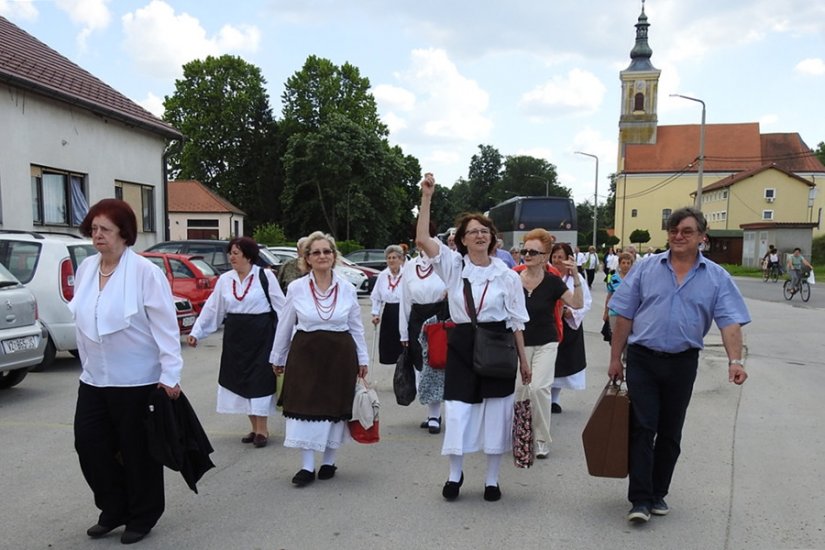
x=46, y=263
x=354, y=276
x=22, y=338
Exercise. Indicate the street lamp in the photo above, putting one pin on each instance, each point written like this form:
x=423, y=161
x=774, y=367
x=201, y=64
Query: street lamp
x=595, y=195
x=546, y=183
x=698, y=202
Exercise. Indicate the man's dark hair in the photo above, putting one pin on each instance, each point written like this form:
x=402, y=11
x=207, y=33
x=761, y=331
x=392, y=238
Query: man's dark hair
x=687, y=212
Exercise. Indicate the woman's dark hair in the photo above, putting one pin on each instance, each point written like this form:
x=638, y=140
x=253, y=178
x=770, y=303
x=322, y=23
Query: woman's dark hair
x=120, y=214
x=461, y=224
x=568, y=252
x=247, y=246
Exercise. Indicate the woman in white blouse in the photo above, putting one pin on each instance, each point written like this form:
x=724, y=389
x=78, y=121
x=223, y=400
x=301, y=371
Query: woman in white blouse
x=248, y=300
x=423, y=295
x=387, y=293
x=320, y=345
x=129, y=344
x=478, y=409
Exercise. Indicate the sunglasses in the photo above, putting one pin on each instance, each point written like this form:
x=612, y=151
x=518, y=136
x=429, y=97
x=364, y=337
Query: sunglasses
x=325, y=252
x=531, y=252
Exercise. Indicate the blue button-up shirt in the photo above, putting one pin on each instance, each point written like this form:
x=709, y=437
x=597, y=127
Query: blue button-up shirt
x=670, y=317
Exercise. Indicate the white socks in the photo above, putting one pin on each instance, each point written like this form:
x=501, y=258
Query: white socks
x=493, y=466
x=456, y=465
x=329, y=456
x=434, y=410
x=554, y=395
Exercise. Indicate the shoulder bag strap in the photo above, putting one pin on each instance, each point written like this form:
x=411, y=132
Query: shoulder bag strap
x=265, y=285
x=468, y=300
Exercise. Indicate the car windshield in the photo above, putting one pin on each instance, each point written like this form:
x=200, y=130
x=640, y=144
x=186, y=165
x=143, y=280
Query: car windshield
x=203, y=265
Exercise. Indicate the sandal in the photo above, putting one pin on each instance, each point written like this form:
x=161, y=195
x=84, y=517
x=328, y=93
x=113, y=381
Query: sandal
x=434, y=429
x=248, y=438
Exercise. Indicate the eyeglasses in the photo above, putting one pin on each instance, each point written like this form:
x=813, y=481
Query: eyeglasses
x=477, y=232
x=686, y=233
x=531, y=252
x=325, y=252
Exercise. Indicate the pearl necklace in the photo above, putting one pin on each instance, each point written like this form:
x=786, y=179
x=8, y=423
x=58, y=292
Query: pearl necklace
x=104, y=275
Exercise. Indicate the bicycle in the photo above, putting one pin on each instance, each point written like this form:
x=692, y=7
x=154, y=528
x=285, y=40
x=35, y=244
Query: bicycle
x=771, y=272
x=802, y=287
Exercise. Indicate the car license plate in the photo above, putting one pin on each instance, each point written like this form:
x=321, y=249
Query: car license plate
x=21, y=344
x=188, y=321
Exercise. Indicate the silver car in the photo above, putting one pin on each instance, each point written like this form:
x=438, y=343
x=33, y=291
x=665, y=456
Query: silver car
x=22, y=337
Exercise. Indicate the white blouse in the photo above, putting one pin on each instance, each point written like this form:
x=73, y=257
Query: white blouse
x=301, y=313
x=418, y=290
x=578, y=314
x=386, y=289
x=504, y=299
x=146, y=350
x=223, y=299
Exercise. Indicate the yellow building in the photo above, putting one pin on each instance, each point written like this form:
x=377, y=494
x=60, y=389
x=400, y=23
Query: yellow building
x=749, y=177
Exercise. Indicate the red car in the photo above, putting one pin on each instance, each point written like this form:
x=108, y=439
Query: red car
x=186, y=315
x=190, y=276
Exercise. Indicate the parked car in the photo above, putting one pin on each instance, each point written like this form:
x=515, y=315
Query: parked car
x=370, y=273
x=46, y=263
x=189, y=276
x=21, y=334
x=356, y=276
x=213, y=251
x=186, y=314
x=369, y=257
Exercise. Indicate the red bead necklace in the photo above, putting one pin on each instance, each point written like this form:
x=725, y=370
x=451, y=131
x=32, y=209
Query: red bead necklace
x=246, y=290
x=324, y=303
x=389, y=281
x=425, y=272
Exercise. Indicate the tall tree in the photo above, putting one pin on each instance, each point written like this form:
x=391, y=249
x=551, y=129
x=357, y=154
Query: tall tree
x=528, y=176
x=222, y=108
x=820, y=152
x=484, y=176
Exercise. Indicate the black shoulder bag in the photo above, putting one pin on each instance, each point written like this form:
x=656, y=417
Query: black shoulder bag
x=494, y=351
x=265, y=285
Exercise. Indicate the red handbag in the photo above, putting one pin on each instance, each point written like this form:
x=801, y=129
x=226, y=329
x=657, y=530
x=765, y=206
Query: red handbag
x=362, y=435
x=437, y=343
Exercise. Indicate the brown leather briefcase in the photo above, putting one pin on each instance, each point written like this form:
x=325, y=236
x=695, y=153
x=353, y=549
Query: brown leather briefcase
x=607, y=433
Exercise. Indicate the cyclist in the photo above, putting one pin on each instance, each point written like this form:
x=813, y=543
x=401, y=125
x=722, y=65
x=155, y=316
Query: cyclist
x=796, y=263
x=771, y=261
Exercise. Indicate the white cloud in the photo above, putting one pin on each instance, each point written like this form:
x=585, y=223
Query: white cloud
x=812, y=66
x=161, y=41
x=394, y=97
x=577, y=92
x=18, y=9
x=153, y=104
x=394, y=122
x=92, y=15
x=767, y=120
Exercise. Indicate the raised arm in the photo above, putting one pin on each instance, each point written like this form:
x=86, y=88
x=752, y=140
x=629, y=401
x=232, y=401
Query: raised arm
x=422, y=232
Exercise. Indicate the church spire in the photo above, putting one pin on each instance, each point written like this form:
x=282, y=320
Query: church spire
x=641, y=52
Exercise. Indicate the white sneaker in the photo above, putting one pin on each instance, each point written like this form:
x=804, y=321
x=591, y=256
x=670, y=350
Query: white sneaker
x=542, y=449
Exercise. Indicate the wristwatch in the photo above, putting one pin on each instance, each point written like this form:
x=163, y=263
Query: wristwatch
x=739, y=362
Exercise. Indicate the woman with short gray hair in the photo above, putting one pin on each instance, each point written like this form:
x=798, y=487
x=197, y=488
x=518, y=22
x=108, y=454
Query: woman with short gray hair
x=387, y=293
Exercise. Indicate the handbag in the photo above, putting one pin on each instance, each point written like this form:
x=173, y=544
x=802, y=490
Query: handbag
x=363, y=427
x=494, y=351
x=607, y=332
x=606, y=435
x=436, y=334
x=523, y=442
x=403, y=380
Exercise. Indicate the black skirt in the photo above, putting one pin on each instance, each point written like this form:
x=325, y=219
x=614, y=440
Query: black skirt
x=319, y=379
x=418, y=314
x=570, y=357
x=461, y=383
x=247, y=343
x=389, y=341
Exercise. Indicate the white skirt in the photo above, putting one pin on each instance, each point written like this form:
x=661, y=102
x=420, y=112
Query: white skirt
x=473, y=427
x=575, y=381
x=232, y=403
x=315, y=435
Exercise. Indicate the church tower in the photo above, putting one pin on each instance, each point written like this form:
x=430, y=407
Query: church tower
x=640, y=87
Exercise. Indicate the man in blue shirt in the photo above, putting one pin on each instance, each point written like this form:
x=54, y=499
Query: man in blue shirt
x=665, y=308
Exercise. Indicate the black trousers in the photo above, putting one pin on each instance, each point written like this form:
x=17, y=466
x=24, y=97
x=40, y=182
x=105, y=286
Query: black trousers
x=111, y=443
x=659, y=386
x=591, y=274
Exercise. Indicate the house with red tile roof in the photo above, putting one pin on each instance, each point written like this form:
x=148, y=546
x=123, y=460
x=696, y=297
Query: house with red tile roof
x=750, y=181
x=72, y=140
x=197, y=212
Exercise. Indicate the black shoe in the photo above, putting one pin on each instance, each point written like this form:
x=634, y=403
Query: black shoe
x=660, y=508
x=424, y=425
x=303, y=477
x=434, y=429
x=640, y=513
x=97, y=530
x=248, y=438
x=131, y=537
x=326, y=471
x=555, y=408
x=492, y=493
x=451, y=488
x=260, y=440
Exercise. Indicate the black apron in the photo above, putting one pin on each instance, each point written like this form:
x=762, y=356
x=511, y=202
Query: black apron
x=461, y=383
x=389, y=341
x=570, y=357
x=247, y=343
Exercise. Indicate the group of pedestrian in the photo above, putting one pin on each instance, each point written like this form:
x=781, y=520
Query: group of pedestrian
x=660, y=310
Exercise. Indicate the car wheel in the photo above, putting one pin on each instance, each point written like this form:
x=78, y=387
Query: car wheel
x=12, y=378
x=48, y=357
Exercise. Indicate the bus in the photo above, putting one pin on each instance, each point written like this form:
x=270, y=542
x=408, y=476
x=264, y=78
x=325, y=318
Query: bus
x=514, y=217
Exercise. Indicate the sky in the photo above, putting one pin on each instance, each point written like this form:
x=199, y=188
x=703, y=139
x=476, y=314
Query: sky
x=527, y=77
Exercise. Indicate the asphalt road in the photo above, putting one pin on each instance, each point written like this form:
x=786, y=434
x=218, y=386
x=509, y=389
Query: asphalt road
x=751, y=473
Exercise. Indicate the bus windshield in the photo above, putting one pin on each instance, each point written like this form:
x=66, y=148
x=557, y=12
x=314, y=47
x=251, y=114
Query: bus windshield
x=515, y=217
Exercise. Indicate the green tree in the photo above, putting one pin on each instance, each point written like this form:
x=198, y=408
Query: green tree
x=269, y=234
x=640, y=236
x=484, y=176
x=222, y=108
x=528, y=176
x=607, y=211
x=820, y=152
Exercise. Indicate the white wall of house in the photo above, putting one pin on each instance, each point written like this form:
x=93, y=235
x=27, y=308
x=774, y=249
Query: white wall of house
x=179, y=223
x=38, y=131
